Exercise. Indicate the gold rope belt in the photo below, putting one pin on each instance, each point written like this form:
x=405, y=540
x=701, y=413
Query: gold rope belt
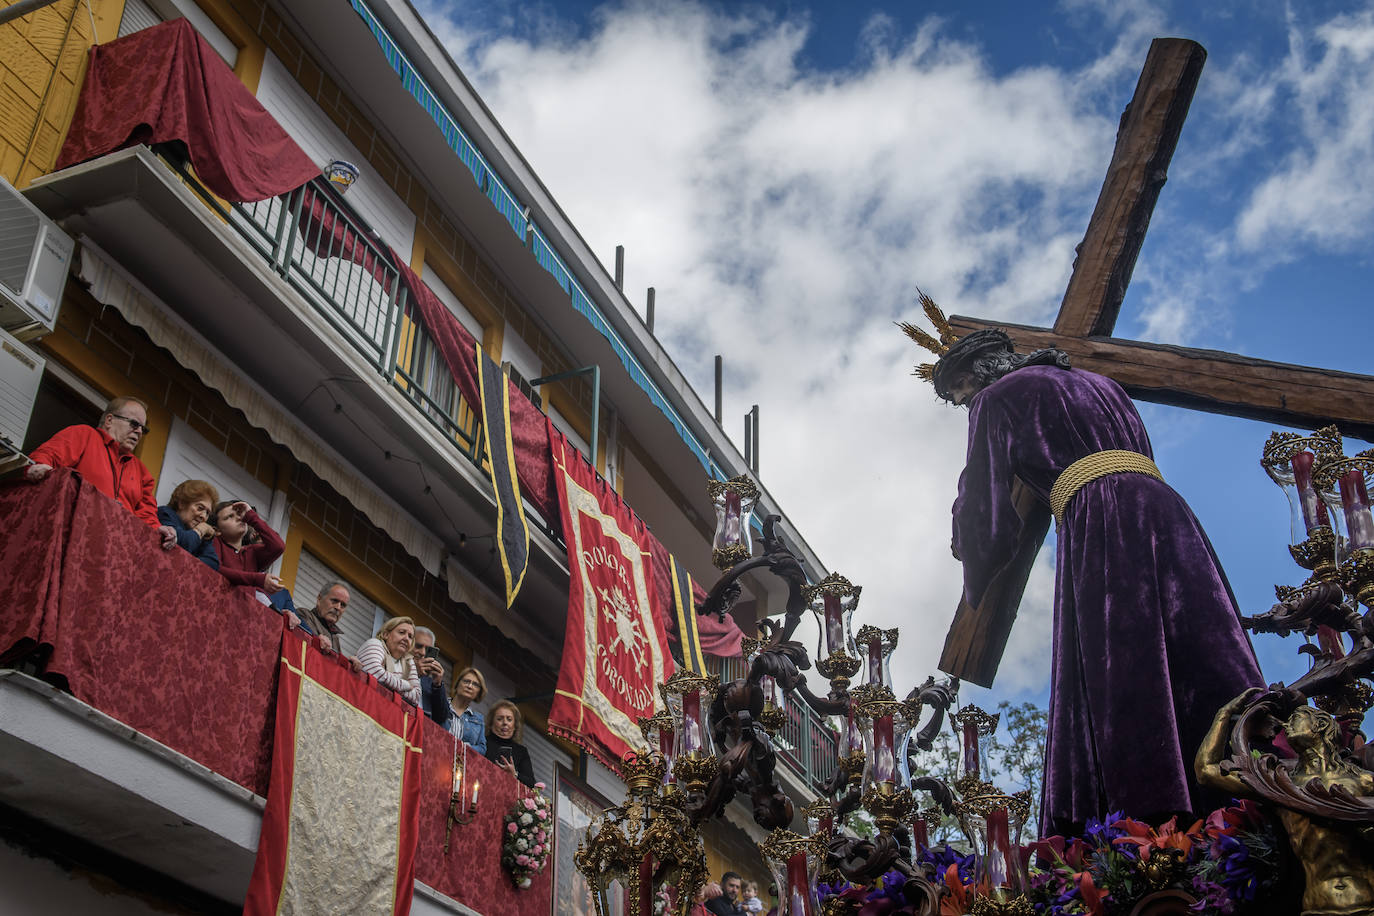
x=1089, y=468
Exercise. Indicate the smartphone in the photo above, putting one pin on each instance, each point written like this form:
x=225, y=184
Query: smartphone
x=431, y=652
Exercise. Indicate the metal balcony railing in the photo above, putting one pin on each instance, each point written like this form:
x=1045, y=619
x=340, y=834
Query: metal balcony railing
x=806, y=743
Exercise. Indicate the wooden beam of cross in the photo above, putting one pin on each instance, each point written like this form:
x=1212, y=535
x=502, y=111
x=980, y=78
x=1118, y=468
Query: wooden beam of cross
x=1210, y=380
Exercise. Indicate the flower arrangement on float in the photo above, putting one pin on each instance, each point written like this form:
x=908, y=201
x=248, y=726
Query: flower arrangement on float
x=528, y=836
x=1231, y=861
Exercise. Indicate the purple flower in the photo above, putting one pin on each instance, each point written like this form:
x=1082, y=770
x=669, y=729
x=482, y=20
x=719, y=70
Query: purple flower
x=942, y=859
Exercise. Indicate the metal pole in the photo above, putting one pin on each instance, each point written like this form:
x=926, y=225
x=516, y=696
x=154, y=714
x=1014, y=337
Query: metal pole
x=755, y=412
x=22, y=8
x=620, y=267
x=720, y=372
x=649, y=311
x=748, y=440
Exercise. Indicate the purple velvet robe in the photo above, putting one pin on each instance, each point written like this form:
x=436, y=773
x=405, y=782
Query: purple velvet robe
x=1147, y=644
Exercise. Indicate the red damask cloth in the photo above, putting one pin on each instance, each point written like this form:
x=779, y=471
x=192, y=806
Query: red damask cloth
x=165, y=645
x=345, y=780
x=471, y=869
x=615, y=651
x=152, y=637
x=167, y=83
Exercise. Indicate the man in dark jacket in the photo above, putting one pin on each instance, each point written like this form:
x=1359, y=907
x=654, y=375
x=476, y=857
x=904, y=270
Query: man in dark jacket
x=433, y=697
x=727, y=904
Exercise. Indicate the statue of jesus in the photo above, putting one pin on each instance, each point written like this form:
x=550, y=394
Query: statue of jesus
x=1147, y=637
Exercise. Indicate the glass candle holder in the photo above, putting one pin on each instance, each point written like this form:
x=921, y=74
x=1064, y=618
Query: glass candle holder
x=875, y=646
x=734, y=502
x=1293, y=461
x=688, y=698
x=794, y=862
x=833, y=600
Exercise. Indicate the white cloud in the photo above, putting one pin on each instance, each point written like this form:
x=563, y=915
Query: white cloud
x=785, y=216
x=1324, y=192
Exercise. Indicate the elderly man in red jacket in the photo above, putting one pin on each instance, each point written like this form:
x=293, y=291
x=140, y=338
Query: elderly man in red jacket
x=104, y=456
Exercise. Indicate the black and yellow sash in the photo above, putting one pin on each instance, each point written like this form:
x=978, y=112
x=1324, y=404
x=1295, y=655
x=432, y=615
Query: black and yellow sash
x=686, y=612
x=513, y=532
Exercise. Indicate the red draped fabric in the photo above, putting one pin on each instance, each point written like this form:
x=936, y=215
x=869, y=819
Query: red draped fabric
x=471, y=870
x=346, y=764
x=167, y=83
x=615, y=651
x=716, y=637
x=528, y=429
x=154, y=638
x=165, y=645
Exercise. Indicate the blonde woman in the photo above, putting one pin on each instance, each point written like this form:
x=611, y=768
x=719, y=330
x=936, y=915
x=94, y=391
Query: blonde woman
x=386, y=657
x=503, y=742
x=466, y=723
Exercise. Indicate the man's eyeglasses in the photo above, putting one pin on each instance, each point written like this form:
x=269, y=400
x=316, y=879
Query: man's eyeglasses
x=141, y=427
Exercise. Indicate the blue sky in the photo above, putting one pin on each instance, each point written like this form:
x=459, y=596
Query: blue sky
x=786, y=173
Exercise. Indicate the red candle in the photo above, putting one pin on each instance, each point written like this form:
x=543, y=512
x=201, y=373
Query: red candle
x=852, y=741
x=665, y=747
x=691, y=721
x=798, y=896
x=1355, y=502
x=884, y=761
x=732, y=532
x=1314, y=513
x=875, y=661
x=971, y=767
x=834, y=624
x=646, y=884
x=920, y=835
x=998, y=860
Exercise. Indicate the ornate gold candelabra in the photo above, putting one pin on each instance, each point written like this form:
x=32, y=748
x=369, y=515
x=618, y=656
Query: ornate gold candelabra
x=645, y=844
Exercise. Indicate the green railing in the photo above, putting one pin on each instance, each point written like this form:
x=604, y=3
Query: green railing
x=806, y=743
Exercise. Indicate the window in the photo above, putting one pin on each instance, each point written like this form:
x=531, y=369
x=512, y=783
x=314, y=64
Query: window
x=364, y=616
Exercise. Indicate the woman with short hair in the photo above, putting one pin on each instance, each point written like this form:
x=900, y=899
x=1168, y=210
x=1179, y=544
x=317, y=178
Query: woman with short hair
x=466, y=723
x=188, y=514
x=503, y=742
x=386, y=657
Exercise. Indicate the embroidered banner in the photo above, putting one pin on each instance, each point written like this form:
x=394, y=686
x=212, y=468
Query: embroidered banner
x=342, y=819
x=615, y=653
x=513, y=531
x=685, y=613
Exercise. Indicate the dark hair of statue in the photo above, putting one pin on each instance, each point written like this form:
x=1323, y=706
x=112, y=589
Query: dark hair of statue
x=986, y=356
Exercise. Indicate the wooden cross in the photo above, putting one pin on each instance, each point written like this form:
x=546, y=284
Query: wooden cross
x=1210, y=380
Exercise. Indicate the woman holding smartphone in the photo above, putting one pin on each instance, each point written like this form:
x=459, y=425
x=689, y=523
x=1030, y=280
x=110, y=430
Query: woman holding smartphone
x=503, y=743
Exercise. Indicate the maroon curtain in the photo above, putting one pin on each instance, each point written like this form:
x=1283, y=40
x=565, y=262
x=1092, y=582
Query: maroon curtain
x=717, y=638
x=471, y=871
x=159, y=641
x=154, y=638
x=167, y=83
x=528, y=430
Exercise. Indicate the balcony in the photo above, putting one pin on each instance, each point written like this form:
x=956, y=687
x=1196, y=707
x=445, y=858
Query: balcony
x=148, y=731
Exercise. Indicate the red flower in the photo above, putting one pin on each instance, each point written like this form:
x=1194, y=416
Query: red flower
x=1146, y=838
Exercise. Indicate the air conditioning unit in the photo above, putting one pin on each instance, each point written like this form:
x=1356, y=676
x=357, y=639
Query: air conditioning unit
x=35, y=256
x=21, y=369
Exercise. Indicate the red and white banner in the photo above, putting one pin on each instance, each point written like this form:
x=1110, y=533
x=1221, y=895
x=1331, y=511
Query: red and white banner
x=615, y=653
x=342, y=820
